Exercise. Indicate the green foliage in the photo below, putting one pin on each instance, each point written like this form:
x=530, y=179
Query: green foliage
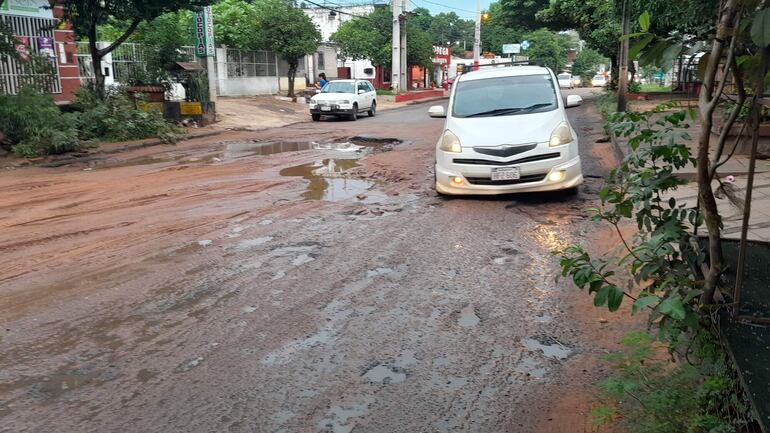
x=760, y=28
x=587, y=63
x=445, y=28
x=634, y=87
x=656, y=395
x=370, y=38
x=661, y=255
x=548, y=47
x=6, y=40
x=34, y=125
x=237, y=24
x=115, y=117
x=521, y=14
x=495, y=32
x=606, y=102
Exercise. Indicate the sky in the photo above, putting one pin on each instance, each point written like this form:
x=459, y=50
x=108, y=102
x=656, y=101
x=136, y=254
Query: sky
x=463, y=8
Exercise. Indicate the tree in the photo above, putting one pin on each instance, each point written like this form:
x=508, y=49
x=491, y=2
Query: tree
x=521, y=14
x=289, y=33
x=370, y=38
x=495, y=32
x=587, y=62
x=87, y=15
x=236, y=24
x=548, y=47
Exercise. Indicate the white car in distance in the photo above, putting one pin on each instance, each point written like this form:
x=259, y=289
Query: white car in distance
x=565, y=80
x=507, y=131
x=599, y=81
x=344, y=98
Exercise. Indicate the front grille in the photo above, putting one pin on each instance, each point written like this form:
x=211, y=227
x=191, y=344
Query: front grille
x=489, y=181
x=504, y=163
x=504, y=152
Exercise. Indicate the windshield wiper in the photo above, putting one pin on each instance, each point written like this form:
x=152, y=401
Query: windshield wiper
x=506, y=111
x=495, y=112
x=535, y=106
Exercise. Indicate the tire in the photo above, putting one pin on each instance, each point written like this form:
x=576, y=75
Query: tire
x=354, y=115
x=373, y=110
x=316, y=117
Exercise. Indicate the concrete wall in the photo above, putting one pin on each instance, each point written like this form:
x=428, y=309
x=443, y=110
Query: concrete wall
x=242, y=86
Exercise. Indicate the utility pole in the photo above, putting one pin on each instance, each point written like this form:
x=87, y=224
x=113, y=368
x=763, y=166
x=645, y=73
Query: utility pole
x=403, y=84
x=395, y=63
x=477, y=36
x=623, y=60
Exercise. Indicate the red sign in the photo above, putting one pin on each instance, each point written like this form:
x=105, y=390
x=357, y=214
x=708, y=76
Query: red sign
x=22, y=42
x=441, y=55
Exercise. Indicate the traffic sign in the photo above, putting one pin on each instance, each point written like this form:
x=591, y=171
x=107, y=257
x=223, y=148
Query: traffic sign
x=525, y=45
x=511, y=48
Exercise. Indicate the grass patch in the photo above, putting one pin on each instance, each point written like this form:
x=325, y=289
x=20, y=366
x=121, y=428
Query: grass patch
x=607, y=103
x=654, y=88
x=385, y=92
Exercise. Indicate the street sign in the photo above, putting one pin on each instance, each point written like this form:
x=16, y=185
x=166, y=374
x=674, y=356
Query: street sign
x=511, y=48
x=204, y=32
x=525, y=45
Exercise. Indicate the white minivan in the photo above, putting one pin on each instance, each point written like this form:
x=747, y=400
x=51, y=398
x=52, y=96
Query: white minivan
x=507, y=131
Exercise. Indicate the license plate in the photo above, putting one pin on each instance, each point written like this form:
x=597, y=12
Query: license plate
x=326, y=108
x=507, y=173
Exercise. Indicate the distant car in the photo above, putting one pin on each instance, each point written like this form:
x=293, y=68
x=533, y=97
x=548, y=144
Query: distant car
x=506, y=131
x=599, y=81
x=565, y=80
x=344, y=98
x=577, y=81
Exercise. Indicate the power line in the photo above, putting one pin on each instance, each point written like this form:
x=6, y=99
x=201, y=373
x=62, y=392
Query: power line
x=336, y=10
x=449, y=7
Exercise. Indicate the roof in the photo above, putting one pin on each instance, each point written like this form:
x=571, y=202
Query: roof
x=189, y=66
x=504, y=71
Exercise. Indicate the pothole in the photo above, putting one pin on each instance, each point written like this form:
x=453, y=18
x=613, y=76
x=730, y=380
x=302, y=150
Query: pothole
x=549, y=347
x=326, y=181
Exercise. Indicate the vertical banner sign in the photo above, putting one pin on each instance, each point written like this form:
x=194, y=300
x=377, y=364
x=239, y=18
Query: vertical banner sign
x=45, y=47
x=204, y=32
x=22, y=42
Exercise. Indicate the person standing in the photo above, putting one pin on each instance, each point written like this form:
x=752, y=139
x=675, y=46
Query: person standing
x=322, y=80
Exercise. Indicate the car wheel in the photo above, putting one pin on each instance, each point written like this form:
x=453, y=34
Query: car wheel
x=354, y=114
x=316, y=117
x=373, y=110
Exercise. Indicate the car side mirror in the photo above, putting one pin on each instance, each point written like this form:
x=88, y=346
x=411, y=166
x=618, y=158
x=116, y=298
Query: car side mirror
x=436, y=111
x=361, y=92
x=573, y=101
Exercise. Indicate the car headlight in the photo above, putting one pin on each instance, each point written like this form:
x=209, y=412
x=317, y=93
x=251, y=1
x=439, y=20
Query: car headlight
x=450, y=142
x=561, y=135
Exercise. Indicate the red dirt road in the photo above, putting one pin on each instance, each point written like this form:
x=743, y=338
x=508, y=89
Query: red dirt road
x=208, y=287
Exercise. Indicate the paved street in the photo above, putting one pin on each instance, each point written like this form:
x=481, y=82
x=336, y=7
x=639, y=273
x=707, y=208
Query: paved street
x=243, y=283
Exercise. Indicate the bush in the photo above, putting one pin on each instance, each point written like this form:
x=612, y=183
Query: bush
x=634, y=87
x=33, y=125
x=116, y=118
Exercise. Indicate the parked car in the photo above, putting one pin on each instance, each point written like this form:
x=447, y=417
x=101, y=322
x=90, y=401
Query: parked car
x=344, y=98
x=507, y=130
x=566, y=81
x=599, y=81
x=577, y=81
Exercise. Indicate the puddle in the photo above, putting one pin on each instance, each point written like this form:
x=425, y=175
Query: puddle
x=188, y=365
x=384, y=375
x=237, y=149
x=205, y=242
x=302, y=259
x=326, y=182
x=543, y=318
x=553, y=351
x=468, y=317
x=405, y=359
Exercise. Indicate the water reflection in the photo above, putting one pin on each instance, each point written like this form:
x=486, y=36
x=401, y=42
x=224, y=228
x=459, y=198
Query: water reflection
x=326, y=182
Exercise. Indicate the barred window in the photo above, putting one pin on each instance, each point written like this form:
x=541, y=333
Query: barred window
x=246, y=63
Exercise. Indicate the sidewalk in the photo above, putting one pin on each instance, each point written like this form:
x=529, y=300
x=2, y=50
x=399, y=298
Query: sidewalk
x=737, y=166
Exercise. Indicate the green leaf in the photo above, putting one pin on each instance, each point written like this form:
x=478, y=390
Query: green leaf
x=643, y=303
x=639, y=46
x=760, y=28
x=673, y=307
x=601, y=296
x=644, y=21
x=615, y=298
x=632, y=35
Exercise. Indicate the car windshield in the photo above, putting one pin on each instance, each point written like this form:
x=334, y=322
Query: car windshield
x=504, y=96
x=338, y=87
x=564, y=76
x=599, y=77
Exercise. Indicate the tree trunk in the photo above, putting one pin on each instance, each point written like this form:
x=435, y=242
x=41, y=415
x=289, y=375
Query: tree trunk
x=292, y=74
x=613, y=85
x=709, y=98
x=623, y=59
x=98, y=54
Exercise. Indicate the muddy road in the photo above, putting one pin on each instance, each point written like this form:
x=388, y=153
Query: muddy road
x=289, y=280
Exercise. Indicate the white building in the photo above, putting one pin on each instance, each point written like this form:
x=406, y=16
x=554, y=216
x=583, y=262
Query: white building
x=328, y=21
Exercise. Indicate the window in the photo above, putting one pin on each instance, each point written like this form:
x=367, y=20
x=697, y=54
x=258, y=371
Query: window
x=369, y=86
x=246, y=63
x=504, y=96
x=339, y=87
x=321, y=61
x=362, y=86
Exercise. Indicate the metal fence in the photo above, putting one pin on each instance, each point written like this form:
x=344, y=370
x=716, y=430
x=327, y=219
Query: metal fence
x=42, y=72
x=247, y=63
x=127, y=59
